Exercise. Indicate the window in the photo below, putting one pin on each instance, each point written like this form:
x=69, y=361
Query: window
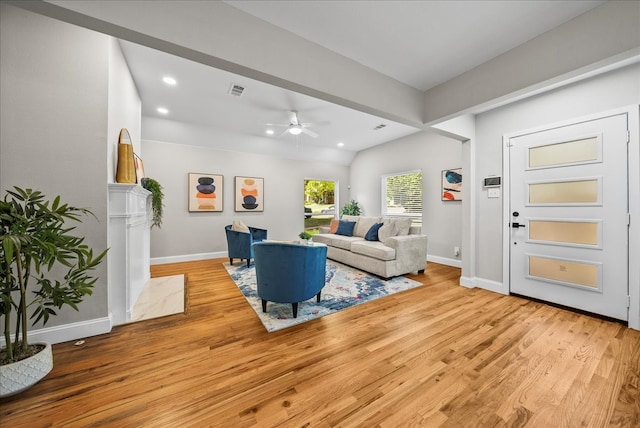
x=402, y=195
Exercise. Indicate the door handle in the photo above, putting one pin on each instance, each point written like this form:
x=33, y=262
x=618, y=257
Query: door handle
x=517, y=225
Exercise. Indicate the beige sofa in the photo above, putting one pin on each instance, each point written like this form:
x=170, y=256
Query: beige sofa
x=400, y=249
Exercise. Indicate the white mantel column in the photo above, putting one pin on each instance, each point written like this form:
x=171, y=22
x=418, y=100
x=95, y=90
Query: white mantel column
x=129, y=242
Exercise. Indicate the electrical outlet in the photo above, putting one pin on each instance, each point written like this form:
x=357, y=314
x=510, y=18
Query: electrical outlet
x=456, y=251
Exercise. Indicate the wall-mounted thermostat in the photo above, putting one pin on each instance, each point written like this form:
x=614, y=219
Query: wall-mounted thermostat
x=492, y=182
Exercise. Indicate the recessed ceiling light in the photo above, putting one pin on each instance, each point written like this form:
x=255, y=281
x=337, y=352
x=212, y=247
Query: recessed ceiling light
x=162, y=110
x=269, y=131
x=169, y=80
x=340, y=144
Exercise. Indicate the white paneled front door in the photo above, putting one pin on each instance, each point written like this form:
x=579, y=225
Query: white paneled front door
x=569, y=215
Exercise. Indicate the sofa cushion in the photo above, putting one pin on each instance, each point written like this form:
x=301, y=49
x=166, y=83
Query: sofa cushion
x=364, y=224
x=344, y=242
x=323, y=238
x=376, y=250
x=387, y=230
x=372, y=234
x=345, y=228
x=334, y=225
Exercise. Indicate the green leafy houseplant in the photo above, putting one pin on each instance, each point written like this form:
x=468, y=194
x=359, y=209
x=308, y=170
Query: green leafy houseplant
x=34, y=240
x=351, y=208
x=305, y=235
x=156, y=200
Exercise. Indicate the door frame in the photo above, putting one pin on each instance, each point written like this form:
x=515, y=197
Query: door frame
x=633, y=123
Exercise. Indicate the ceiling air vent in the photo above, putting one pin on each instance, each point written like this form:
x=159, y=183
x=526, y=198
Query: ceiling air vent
x=236, y=90
x=379, y=127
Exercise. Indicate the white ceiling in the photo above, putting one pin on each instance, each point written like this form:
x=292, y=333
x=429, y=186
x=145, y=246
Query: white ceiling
x=201, y=98
x=420, y=43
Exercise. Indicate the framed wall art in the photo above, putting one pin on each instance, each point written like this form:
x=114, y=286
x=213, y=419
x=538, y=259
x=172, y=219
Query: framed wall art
x=139, y=165
x=249, y=194
x=206, y=192
x=452, y=184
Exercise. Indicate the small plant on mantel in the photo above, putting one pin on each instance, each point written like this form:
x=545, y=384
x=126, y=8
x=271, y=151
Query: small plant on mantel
x=35, y=239
x=157, y=198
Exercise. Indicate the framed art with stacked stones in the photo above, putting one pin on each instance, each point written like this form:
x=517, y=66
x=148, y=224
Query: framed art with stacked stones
x=249, y=194
x=206, y=192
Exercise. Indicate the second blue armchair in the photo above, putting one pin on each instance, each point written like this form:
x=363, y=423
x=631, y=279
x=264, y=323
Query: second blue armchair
x=239, y=244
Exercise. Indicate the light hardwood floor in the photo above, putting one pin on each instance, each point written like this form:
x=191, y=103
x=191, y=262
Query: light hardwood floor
x=436, y=355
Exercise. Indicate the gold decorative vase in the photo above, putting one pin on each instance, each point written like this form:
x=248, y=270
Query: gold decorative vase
x=126, y=170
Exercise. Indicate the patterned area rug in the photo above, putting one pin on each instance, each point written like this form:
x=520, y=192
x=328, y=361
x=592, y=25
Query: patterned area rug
x=345, y=287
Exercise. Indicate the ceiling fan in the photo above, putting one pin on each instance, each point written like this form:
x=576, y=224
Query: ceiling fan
x=295, y=127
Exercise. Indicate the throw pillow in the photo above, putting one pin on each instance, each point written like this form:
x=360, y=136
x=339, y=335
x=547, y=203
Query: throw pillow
x=403, y=225
x=387, y=230
x=372, y=234
x=345, y=228
x=334, y=225
x=239, y=226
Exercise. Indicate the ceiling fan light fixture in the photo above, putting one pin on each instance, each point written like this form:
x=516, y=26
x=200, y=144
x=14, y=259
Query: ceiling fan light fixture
x=169, y=80
x=295, y=130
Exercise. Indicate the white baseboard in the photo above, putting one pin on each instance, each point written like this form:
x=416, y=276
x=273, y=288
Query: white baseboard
x=223, y=254
x=444, y=261
x=188, y=258
x=67, y=332
x=465, y=281
x=485, y=284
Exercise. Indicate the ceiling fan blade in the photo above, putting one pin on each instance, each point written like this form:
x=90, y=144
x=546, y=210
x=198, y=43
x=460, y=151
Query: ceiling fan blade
x=309, y=132
x=320, y=123
x=276, y=124
x=293, y=117
x=286, y=131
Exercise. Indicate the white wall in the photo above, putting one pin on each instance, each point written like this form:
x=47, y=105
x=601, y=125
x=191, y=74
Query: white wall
x=187, y=234
x=125, y=107
x=431, y=153
x=615, y=89
x=53, y=125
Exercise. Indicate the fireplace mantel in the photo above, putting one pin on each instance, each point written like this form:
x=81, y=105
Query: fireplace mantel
x=129, y=243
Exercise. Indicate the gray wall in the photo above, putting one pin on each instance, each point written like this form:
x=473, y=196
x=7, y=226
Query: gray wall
x=615, y=89
x=191, y=233
x=53, y=124
x=430, y=153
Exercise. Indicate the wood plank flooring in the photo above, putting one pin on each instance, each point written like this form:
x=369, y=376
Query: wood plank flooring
x=439, y=355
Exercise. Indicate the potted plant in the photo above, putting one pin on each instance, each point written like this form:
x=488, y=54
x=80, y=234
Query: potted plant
x=305, y=235
x=43, y=267
x=351, y=208
x=157, y=198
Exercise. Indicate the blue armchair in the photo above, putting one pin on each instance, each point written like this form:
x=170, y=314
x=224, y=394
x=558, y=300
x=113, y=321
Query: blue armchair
x=289, y=273
x=239, y=244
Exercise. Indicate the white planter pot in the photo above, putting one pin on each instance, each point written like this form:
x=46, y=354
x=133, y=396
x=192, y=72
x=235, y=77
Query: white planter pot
x=21, y=375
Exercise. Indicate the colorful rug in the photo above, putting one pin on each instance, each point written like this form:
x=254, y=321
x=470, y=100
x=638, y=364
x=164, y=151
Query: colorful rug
x=345, y=287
